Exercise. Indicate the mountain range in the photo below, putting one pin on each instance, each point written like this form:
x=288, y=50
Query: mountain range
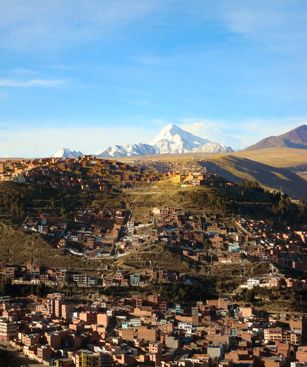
x=171, y=140
x=174, y=140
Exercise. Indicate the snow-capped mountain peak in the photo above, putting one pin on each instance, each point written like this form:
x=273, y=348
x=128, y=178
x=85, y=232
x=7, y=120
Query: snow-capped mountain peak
x=174, y=140
x=174, y=133
x=67, y=153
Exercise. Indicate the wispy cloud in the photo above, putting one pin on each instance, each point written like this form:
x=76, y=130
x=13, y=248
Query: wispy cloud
x=249, y=17
x=268, y=22
x=54, y=23
x=31, y=83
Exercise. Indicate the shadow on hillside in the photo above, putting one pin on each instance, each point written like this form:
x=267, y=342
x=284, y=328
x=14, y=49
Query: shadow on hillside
x=291, y=144
x=298, y=168
x=277, y=178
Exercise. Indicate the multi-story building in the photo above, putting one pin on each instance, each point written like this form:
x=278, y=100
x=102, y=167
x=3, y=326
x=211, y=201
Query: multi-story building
x=67, y=311
x=80, y=279
x=135, y=280
x=86, y=358
x=273, y=334
x=54, y=303
x=8, y=330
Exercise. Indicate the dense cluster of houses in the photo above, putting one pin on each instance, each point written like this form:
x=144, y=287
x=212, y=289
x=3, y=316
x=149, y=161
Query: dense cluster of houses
x=34, y=274
x=286, y=248
x=89, y=232
x=150, y=331
x=85, y=173
x=109, y=234
x=90, y=173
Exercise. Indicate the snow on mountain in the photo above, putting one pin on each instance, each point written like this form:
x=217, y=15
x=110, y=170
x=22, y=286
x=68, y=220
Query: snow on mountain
x=128, y=150
x=212, y=147
x=67, y=153
x=174, y=140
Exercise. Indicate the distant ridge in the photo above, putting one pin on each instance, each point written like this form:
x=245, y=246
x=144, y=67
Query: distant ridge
x=296, y=138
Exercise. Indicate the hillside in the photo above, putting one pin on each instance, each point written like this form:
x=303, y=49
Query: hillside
x=290, y=158
x=142, y=200
x=293, y=159
x=296, y=138
x=17, y=247
x=277, y=168
x=46, y=192
x=277, y=157
x=235, y=168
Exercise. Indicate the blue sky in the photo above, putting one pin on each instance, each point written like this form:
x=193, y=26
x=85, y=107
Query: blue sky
x=90, y=73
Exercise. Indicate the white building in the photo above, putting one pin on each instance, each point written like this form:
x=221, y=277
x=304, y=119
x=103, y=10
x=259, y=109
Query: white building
x=253, y=282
